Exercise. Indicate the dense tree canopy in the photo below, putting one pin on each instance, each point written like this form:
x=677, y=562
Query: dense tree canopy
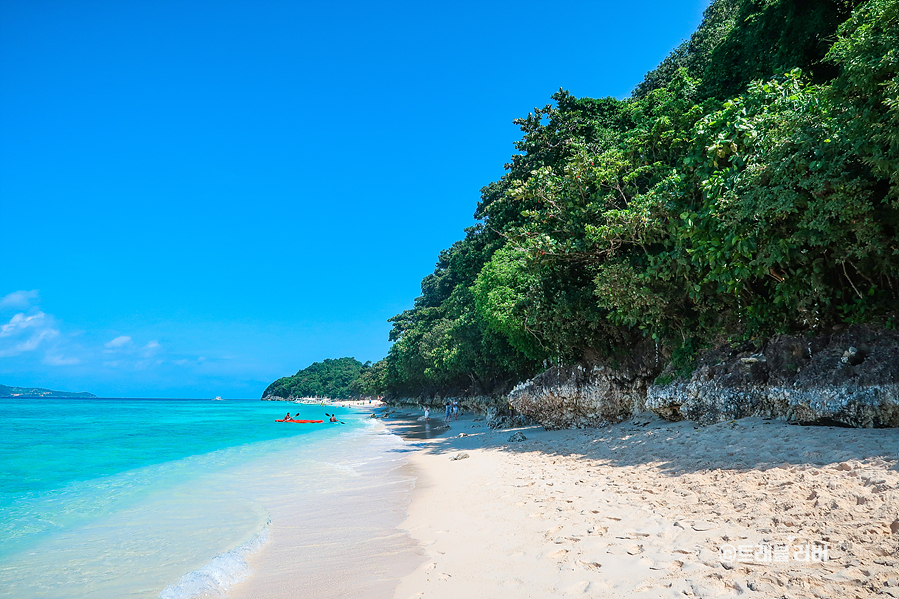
x=749, y=187
x=331, y=378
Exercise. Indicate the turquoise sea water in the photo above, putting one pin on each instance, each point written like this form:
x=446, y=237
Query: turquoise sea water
x=156, y=497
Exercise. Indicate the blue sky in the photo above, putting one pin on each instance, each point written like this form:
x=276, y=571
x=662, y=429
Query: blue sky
x=199, y=197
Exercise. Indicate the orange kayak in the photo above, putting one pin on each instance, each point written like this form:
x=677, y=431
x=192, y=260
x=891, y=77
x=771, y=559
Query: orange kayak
x=300, y=421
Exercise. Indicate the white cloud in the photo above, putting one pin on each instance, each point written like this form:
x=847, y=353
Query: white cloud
x=152, y=345
x=29, y=344
x=18, y=300
x=32, y=342
x=118, y=342
x=19, y=322
x=25, y=333
x=58, y=360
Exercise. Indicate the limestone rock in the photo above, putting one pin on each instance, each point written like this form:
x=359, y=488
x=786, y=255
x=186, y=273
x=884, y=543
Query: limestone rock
x=848, y=378
x=813, y=381
x=506, y=417
x=590, y=393
x=517, y=437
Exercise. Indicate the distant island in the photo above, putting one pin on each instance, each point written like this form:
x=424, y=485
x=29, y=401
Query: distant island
x=340, y=378
x=38, y=392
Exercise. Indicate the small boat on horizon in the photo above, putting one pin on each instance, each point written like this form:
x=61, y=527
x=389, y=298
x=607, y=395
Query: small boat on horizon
x=218, y=398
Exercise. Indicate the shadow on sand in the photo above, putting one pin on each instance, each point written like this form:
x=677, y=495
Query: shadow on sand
x=672, y=448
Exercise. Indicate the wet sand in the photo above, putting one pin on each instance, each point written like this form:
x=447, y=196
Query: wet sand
x=337, y=536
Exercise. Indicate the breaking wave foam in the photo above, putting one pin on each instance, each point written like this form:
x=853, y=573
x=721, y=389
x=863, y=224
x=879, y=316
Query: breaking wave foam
x=219, y=575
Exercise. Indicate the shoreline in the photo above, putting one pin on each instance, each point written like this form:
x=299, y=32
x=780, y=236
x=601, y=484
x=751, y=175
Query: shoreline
x=342, y=540
x=650, y=508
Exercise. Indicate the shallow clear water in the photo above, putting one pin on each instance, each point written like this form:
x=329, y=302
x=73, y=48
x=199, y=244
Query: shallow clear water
x=47, y=443
x=159, y=498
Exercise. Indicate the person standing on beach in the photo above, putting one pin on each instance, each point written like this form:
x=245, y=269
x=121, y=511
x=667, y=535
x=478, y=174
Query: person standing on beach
x=449, y=411
x=427, y=413
x=455, y=409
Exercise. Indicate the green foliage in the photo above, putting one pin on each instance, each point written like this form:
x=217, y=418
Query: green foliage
x=331, y=378
x=747, y=188
x=693, y=55
x=867, y=91
x=771, y=37
x=788, y=226
x=500, y=293
x=443, y=344
x=371, y=381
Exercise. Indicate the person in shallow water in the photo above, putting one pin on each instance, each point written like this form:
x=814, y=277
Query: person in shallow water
x=333, y=418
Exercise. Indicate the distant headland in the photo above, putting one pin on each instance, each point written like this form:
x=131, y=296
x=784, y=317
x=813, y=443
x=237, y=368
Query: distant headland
x=37, y=392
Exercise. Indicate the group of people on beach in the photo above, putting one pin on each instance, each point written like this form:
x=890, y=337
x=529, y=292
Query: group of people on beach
x=452, y=411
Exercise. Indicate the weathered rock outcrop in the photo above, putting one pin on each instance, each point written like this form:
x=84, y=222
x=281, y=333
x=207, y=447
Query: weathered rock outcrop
x=588, y=394
x=506, y=417
x=850, y=378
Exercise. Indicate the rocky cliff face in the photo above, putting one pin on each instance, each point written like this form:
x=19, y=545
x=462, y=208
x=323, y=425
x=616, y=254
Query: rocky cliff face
x=590, y=393
x=850, y=378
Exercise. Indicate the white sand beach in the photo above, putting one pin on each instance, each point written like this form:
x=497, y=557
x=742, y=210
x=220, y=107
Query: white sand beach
x=652, y=509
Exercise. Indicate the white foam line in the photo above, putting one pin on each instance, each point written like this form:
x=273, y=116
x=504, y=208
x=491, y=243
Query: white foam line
x=219, y=575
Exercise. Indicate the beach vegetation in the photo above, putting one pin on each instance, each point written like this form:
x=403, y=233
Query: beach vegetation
x=749, y=187
x=331, y=378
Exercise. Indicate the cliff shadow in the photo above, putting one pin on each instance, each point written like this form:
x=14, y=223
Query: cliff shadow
x=675, y=448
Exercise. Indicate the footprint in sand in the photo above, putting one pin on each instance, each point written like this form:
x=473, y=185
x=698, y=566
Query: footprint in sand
x=549, y=533
x=578, y=588
x=624, y=549
x=672, y=565
x=558, y=555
